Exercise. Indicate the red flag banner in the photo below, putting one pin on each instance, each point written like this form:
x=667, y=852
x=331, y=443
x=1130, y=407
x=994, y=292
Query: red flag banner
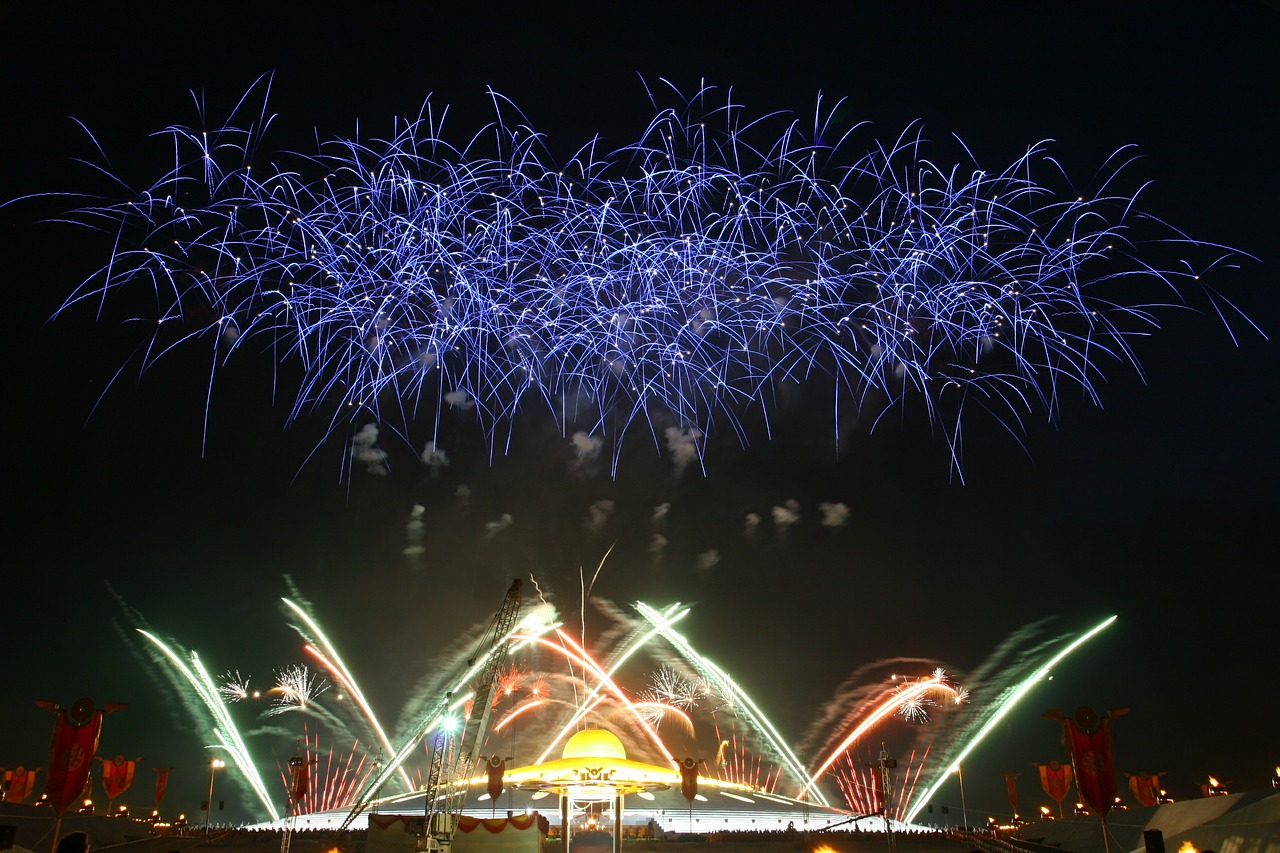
x=162, y=782
x=18, y=784
x=75, y=740
x=300, y=778
x=1145, y=788
x=1055, y=778
x=1011, y=783
x=1088, y=738
x=496, y=773
x=689, y=778
x=117, y=775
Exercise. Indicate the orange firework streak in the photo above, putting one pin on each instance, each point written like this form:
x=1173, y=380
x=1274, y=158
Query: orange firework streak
x=889, y=706
x=318, y=779
x=575, y=652
x=527, y=706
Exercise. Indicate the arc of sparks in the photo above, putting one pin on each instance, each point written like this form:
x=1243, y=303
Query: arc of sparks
x=322, y=649
x=224, y=728
x=1015, y=696
x=891, y=705
x=528, y=629
x=570, y=649
x=728, y=687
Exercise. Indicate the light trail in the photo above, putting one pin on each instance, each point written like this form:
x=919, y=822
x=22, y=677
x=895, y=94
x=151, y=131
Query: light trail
x=636, y=640
x=728, y=687
x=529, y=628
x=224, y=728
x=898, y=699
x=516, y=712
x=577, y=653
x=1016, y=695
x=320, y=647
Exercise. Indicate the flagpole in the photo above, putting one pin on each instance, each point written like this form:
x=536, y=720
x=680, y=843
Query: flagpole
x=57, y=830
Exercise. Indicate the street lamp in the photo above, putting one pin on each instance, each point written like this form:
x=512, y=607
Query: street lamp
x=214, y=766
x=964, y=810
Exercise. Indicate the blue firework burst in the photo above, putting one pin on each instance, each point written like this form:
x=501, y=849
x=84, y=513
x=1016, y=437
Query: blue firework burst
x=677, y=281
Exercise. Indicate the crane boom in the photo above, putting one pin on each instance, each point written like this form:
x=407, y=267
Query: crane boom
x=442, y=773
x=443, y=800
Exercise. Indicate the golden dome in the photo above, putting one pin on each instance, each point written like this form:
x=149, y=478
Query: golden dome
x=594, y=743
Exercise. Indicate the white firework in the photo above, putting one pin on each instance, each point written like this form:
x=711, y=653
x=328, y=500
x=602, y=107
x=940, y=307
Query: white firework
x=651, y=710
x=915, y=709
x=296, y=689
x=669, y=686
x=234, y=688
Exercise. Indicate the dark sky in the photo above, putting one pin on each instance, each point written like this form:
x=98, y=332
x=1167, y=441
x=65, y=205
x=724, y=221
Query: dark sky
x=1159, y=506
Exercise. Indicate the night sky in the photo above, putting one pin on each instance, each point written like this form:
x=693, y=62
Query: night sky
x=1159, y=506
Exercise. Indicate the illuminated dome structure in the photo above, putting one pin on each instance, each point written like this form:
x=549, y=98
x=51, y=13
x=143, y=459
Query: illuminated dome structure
x=593, y=767
x=590, y=743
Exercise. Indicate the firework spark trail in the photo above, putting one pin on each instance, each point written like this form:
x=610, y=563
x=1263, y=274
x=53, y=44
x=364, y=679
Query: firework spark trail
x=655, y=713
x=547, y=727
x=683, y=275
x=530, y=627
x=337, y=784
x=910, y=779
x=994, y=712
x=904, y=698
x=209, y=697
x=234, y=687
x=573, y=652
x=636, y=639
x=860, y=691
x=320, y=647
x=725, y=686
x=669, y=687
x=855, y=777
x=517, y=711
x=297, y=689
x=331, y=667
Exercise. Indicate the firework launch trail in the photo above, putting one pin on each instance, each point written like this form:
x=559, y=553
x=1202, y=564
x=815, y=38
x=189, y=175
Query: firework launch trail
x=690, y=689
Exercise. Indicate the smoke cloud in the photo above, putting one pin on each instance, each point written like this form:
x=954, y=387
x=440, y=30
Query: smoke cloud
x=493, y=528
x=786, y=516
x=364, y=448
x=683, y=447
x=434, y=458
x=597, y=515
x=834, y=514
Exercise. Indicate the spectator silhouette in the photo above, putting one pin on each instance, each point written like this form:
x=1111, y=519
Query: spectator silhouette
x=74, y=842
